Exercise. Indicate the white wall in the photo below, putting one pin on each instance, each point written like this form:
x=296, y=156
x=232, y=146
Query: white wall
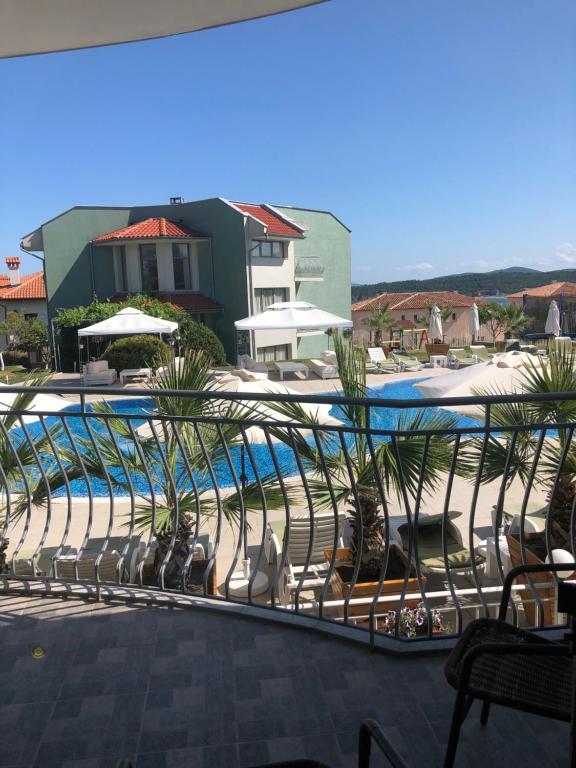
x=275, y=273
x=29, y=307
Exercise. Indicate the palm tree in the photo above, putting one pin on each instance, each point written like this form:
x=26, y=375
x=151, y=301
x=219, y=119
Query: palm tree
x=554, y=458
x=176, y=457
x=27, y=470
x=362, y=475
x=377, y=320
x=514, y=321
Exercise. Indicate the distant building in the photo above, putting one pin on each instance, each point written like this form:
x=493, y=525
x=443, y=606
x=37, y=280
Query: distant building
x=219, y=260
x=410, y=311
x=24, y=294
x=536, y=301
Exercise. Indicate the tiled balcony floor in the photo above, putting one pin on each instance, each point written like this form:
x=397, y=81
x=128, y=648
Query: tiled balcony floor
x=168, y=687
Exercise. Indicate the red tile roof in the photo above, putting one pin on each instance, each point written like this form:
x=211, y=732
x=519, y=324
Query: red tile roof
x=4, y=280
x=30, y=287
x=275, y=223
x=547, y=291
x=149, y=229
x=419, y=300
x=191, y=302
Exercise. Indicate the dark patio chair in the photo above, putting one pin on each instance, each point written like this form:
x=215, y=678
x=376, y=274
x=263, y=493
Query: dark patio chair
x=499, y=663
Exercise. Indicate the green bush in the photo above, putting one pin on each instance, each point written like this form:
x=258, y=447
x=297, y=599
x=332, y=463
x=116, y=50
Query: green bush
x=137, y=352
x=196, y=336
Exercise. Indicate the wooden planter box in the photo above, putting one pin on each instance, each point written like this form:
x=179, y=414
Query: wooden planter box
x=437, y=349
x=533, y=549
x=341, y=587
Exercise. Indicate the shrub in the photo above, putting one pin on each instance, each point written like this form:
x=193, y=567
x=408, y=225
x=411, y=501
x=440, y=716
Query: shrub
x=137, y=352
x=196, y=336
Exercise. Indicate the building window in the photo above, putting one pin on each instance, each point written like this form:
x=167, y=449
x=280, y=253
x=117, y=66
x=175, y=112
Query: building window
x=403, y=317
x=263, y=297
x=30, y=315
x=453, y=315
x=149, y=268
x=269, y=354
x=267, y=249
x=122, y=274
x=181, y=266
x=416, y=318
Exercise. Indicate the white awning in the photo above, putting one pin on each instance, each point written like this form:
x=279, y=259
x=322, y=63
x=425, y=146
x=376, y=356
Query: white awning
x=44, y=26
x=292, y=315
x=129, y=321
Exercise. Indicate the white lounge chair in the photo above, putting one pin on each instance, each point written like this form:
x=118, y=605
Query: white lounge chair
x=406, y=362
x=98, y=372
x=296, y=573
x=325, y=368
x=245, y=361
x=379, y=362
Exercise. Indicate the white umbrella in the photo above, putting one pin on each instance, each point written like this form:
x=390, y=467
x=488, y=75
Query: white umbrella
x=552, y=326
x=435, y=327
x=256, y=409
x=127, y=321
x=29, y=26
x=41, y=404
x=504, y=373
x=474, y=326
x=292, y=315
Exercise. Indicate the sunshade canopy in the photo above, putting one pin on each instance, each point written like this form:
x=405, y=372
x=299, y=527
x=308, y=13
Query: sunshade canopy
x=30, y=26
x=474, y=327
x=127, y=321
x=435, y=327
x=292, y=315
x=553, y=320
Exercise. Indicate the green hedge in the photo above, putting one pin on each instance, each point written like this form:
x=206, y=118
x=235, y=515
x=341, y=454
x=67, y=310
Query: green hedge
x=196, y=336
x=137, y=352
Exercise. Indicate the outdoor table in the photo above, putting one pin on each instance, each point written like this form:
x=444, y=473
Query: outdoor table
x=133, y=373
x=439, y=361
x=290, y=367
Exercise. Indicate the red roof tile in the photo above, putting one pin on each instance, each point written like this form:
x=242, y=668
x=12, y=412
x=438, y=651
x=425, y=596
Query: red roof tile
x=547, y=291
x=30, y=287
x=191, y=302
x=149, y=229
x=4, y=280
x=274, y=222
x=419, y=300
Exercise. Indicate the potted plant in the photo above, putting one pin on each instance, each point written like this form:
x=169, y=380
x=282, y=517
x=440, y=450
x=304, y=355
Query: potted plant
x=360, y=476
x=413, y=621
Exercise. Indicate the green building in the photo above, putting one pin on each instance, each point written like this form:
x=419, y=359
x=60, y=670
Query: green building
x=219, y=260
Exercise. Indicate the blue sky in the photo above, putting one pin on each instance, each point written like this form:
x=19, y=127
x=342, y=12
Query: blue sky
x=442, y=132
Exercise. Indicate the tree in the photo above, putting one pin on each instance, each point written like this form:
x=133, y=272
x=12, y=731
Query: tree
x=514, y=321
x=361, y=475
x=28, y=335
x=550, y=462
x=492, y=316
x=170, y=463
x=193, y=335
x=377, y=320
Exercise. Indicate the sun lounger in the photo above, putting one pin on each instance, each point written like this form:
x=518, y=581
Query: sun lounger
x=480, y=352
x=406, y=362
x=431, y=545
x=325, y=368
x=296, y=573
x=458, y=358
x=378, y=363
x=245, y=361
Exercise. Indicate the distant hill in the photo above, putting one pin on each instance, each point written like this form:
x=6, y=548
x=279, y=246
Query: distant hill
x=472, y=284
x=523, y=270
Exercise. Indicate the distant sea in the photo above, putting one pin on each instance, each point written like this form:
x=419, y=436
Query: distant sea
x=497, y=299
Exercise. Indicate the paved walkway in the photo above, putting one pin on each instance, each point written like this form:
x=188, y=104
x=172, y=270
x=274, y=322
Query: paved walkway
x=171, y=688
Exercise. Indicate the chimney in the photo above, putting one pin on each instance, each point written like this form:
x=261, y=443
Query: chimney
x=13, y=264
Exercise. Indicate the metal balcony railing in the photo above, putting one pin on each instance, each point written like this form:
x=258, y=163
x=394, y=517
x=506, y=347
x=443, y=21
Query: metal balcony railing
x=395, y=524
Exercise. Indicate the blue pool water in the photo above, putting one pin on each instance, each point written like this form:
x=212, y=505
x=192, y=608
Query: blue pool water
x=259, y=455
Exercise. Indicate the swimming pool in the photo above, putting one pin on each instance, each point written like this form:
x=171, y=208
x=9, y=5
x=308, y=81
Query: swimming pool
x=380, y=419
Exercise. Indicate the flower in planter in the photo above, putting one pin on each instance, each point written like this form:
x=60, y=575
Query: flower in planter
x=413, y=621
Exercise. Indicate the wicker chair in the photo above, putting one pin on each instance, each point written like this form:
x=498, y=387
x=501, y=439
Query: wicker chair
x=499, y=663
